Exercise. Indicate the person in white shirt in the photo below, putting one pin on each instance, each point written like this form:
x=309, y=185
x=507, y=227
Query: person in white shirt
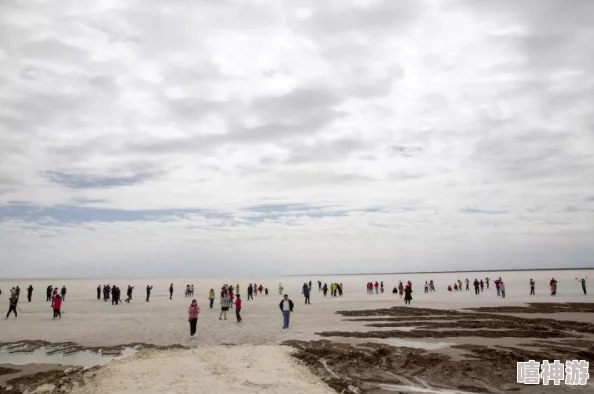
x=286, y=307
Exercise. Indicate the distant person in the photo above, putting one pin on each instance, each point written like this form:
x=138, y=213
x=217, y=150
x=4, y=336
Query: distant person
x=286, y=307
x=400, y=289
x=395, y=290
x=29, y=292
x=171, y=291
x=376, y=286
x=310, y=285
x=261, y=289
x=339, y=289
x=502, y=288
x=476, y=283
x=129, y=293
x=238, y=308
x=583, y=282
x=482, y=285
x=455, y=286
x=224, y=306
x=382, y=287
x=280, y=288
x=553, y=286
x=325, y=289
x=63, y=293
x=498, y=287
x=319, y=286
x=48, y=293
x=426, y=287
x=193, y=311
x=99, y=292
x=12, y=305
x=407, y=295
x=148, y=292
x=57, y=305
x=266, y=291
x=431, y=286
x=211, y=297
x=450, y=288
x=467, y=284
x=54, y=293
x=305, y=293
x=487, y=282
x=250, y=292
x=532, y=283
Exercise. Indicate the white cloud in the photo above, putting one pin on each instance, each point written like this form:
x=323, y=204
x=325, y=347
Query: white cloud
x=444, y=134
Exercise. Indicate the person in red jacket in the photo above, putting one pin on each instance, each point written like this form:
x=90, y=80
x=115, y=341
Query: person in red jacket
x=56, y=305
x=238, y=308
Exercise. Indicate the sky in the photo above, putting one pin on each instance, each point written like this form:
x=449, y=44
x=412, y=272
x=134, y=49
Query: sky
x=267, y=137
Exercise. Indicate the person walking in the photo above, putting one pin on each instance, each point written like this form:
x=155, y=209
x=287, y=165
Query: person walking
x=211, y=297
x=193, y=311
x=286, y=307
x=306, y=293
x=129, y=293
x=148, y=292
x=238, y=308
x=63, y=293
x=532, y=283
x=171, y=291
x=12, y=305
x=57, y=305
x=476, y=283
x=224, y=306
x=29, y=292
x=325, y=289
x=583, y=282
x=407, y=295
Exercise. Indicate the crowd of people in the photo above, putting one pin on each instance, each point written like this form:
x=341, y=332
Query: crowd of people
x=231, y=299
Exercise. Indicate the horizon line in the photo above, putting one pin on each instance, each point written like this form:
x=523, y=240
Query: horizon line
x=326, y=274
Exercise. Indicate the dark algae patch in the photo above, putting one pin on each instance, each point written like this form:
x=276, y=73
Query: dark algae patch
x=375, y=367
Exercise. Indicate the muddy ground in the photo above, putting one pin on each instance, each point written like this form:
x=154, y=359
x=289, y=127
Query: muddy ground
x=374, y=367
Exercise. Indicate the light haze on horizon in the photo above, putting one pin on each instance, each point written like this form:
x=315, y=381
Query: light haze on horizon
x=262, y=138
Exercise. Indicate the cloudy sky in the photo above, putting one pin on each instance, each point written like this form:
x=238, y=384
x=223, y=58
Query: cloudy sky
x=262, y=137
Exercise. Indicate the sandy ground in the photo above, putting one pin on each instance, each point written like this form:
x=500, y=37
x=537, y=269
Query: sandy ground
x=217, y=369
x=90, y=322
x=256, y=364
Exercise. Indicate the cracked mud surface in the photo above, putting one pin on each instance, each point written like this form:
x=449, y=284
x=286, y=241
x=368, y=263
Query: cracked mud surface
x=373, y=367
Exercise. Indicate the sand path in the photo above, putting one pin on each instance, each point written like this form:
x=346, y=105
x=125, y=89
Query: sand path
x=217, y=369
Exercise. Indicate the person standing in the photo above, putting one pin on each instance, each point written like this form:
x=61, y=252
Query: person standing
x=426, y=287
x=63, y=293
x=532, y=283
x=129, y=293
x=148, y=292
x=502, y=288
x=171, y=291
x=48, y=293
x=467, y=284
x=12, y=305
x=224, y=306
x=238, y=308
x=476, y=283
x=57, y=305
x=286, y=307
x=482, y=285
x=211, y=297
x=497, y=286
x=407, y=295
x=193, y=311
x=553, y=286
x=325, y=289
x=487, y=282
x=99, y=292
x=583, y=282
x=29, y=292
x=305, y=292
x=319, y=286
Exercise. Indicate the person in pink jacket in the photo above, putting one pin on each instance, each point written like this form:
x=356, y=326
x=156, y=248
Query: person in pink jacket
x=193, y=312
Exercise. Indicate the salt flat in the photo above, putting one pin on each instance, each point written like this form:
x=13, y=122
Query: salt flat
x=91, y=322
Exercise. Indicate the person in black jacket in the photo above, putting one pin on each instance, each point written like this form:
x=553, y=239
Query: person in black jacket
x=286, y=307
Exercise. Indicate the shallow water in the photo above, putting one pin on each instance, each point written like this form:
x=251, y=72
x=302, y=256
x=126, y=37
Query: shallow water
x=83, y=358
x=418, y=344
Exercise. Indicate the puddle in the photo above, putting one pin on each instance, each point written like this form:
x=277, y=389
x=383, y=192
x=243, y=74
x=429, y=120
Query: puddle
x=419, y=344
x=83, y=358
